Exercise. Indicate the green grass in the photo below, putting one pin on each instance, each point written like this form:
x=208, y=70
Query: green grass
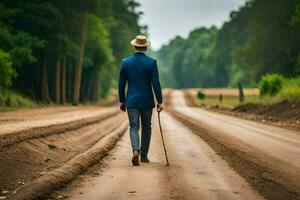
x=290, y=90
x=231, y=102
x=290, y=93
x=10, y=100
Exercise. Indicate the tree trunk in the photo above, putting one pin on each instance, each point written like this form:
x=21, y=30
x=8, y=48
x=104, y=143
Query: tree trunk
x=241, y=93
x=78, y=69
x=44, y=89
x=63, y=80
x=90, y=86
x=95, y=94
x=57, y=80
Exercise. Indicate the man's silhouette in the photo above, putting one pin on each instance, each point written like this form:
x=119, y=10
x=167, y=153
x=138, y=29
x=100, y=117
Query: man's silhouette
x=141, y=75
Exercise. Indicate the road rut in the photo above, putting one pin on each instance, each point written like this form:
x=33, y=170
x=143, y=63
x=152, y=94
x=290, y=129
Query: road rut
x=196, y=172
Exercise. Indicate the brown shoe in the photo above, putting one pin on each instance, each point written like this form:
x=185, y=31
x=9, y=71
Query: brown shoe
x=145, y=160
x=135, y=158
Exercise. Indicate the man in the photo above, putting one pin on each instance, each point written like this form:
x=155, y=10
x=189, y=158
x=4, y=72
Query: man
x=141, y=75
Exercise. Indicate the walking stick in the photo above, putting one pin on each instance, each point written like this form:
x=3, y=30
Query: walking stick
x=162, y=137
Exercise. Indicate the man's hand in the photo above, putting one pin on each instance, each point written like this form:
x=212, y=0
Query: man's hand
x=159, y=107
x=123, y=107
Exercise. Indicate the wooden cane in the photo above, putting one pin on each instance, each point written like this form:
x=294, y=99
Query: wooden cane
x=162, y=138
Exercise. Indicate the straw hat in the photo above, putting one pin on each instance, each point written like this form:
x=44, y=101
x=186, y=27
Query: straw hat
x=140, y=41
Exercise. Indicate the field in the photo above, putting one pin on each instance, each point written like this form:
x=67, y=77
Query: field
x=230, y=96
x=275, y=111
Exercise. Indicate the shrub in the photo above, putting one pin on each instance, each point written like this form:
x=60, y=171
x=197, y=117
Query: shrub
x=292, y=82
x=6, y=70
x=290, y=89
x=271, y=84
x=290, y=93
x=200, y=95
x=9, y=98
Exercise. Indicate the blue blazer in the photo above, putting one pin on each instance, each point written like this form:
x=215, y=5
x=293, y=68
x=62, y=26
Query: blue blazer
x=140, y=73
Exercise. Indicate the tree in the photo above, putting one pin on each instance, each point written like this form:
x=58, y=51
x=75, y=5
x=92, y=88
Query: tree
x=58, y=47
x=6, y=70
x=78, y=69
x=262, y=37
x=295, y=19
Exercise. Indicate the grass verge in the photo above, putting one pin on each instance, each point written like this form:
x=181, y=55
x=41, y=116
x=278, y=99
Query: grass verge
x=11, y=100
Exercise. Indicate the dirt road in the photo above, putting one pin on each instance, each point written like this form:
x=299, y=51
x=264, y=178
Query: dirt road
x=196, y=172
x=16, y=121
x=274, y=151
x=38, y=141
x=232, y=159
x=275, y=142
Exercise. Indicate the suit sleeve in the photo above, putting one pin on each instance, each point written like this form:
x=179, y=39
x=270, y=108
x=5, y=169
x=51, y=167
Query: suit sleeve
x=155, y=83
x=122, y=84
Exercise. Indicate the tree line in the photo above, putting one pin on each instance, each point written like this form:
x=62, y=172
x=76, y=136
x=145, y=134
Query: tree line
x=262, y=37
x=65, y=51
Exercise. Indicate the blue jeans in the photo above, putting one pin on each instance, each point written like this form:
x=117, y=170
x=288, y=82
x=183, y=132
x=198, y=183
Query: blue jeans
x=134, y=116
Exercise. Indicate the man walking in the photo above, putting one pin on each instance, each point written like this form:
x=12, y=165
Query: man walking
x=141, y=75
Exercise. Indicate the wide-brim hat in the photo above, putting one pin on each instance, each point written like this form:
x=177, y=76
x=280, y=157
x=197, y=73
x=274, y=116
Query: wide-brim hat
x=140, y=41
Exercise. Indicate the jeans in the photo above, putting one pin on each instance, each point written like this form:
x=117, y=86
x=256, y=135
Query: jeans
x=134, y=116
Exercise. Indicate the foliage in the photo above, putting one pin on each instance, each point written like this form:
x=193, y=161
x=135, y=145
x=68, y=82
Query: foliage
x=295, y=20
x=6, y=70
x=20, y=45
x=271, y=84
x=185, y=61
x=262, y=37
x=279, y=87
x=292, y=82
x=10, y=98
x=41, y=41
x=290, y=89
x=200, y=95
x=290, y=93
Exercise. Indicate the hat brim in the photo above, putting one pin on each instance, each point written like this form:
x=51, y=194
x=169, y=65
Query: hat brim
x=134, y=43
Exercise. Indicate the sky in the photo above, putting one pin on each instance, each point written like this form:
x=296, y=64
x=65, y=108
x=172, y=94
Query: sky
x=168, y=18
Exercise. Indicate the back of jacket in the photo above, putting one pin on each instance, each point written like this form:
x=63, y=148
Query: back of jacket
x=140, y=73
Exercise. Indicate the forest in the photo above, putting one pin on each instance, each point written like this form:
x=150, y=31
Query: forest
x=58, y=52
x=64, y=51
x=260, y=38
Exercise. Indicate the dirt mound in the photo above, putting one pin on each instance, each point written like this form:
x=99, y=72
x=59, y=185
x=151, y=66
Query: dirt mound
x=36, y=157
x=284, y=110
x=269, y=182
x=56, y=179
x=285, y=114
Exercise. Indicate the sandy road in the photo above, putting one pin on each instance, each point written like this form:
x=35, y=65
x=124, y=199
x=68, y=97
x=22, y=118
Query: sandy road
x=15, y=121
x=270, y=142
x=196, y=172
x=42, y=140
x=267, y=156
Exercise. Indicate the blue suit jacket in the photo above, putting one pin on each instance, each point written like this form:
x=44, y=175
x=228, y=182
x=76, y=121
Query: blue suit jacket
x=141, y=74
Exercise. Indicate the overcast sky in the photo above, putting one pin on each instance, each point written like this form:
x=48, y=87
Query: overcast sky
x=168, y=18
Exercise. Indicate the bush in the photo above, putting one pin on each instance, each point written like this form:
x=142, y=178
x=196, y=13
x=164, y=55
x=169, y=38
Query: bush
x=292, y=82
x=271, y=84
x=13, y=99
x=200, y=95
x=290, y=89
x=290, y=93
x=6, y=70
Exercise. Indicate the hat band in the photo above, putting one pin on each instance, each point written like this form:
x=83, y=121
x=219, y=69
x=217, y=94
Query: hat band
x=141, y=41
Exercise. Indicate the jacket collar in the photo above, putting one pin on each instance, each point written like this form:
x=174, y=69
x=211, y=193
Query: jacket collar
x=140, y=53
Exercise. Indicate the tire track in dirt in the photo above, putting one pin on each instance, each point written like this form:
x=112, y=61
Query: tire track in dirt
x=8, y=140
x=35, y=157
x=56, y=179
x=196, y=172
x=266, y=180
